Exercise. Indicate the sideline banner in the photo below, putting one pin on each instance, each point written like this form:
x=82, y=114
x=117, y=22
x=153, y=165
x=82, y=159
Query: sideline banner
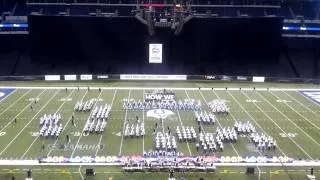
x=70, y=77
x=86, y=76
x=152, y=77
x=258, y=79
x=52, y=77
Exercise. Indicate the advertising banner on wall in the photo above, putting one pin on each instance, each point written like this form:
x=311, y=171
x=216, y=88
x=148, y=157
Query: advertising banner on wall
x=258, y=79
x=70, y=77
x=52, y=77
x=152, y=77
x=86, y=76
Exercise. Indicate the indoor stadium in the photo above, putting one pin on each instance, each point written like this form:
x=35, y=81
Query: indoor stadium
x=159, y=89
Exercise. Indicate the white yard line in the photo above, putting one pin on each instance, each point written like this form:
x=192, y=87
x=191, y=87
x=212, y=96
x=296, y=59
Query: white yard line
x=202, y=129
x=15, y=102
x=28, y=123
x=311, y=138
x=143, y=124
x=114, y=95
x=304, y=151
x=123, y=128
x=65, y=126
x=295, y=99
x=35, y=139
x=10, y=122
x=79, y=170
x=297, y=111
x=234, y=120
x=75, y=147
x=252, y=118
x=181, y=127
x=217, y=120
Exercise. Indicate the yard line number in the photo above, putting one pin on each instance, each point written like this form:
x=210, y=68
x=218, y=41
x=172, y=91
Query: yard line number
x=282, y=101
x=287, y=135
x=252, y=100
x=77, y=134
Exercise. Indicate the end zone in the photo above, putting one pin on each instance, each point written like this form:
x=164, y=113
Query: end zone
x=6, y=92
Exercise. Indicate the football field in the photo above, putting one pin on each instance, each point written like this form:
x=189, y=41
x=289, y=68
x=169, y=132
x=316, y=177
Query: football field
x=291, y=117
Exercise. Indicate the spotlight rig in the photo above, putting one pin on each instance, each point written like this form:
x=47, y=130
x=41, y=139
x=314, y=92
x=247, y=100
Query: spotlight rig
x=172, y=16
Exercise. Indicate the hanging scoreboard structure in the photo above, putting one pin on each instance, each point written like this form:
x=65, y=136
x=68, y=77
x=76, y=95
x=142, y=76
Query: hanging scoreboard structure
x=155, y=53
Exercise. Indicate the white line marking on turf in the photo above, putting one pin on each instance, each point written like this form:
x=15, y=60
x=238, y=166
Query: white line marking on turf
x=156, y=88
x=309, y=109
x=252, y=118
x=35, y=139
x=28, y=124
x=21, y=111
x=311, y=138
x=8, y=95
x=306, y=107
x=217, y=121
x=181, y=127
x=15, y=102
x=75, y=147
x=234, y=120
x=305, y=152
x=124, y=124
x=65, y=126
x=297, y=112
x=79, y=170
x=114, y=95
x=143, y=124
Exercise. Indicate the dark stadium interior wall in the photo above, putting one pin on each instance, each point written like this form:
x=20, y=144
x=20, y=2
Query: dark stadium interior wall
x=120, y=45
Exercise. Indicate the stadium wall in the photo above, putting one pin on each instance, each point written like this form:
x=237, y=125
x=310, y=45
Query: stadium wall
x=120, y=45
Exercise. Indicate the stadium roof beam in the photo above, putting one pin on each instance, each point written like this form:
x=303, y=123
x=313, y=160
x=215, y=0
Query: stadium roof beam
x=164, y=5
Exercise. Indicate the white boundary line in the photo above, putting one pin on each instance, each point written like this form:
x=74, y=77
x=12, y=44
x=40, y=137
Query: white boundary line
x=37, y=163
x=114, y=95
x=35, y=139
x=28, y=123
x=311, y=138
x=124, y=124
x=305, y=152
x=172, y=88
x=65, y=126
x=75, y=147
